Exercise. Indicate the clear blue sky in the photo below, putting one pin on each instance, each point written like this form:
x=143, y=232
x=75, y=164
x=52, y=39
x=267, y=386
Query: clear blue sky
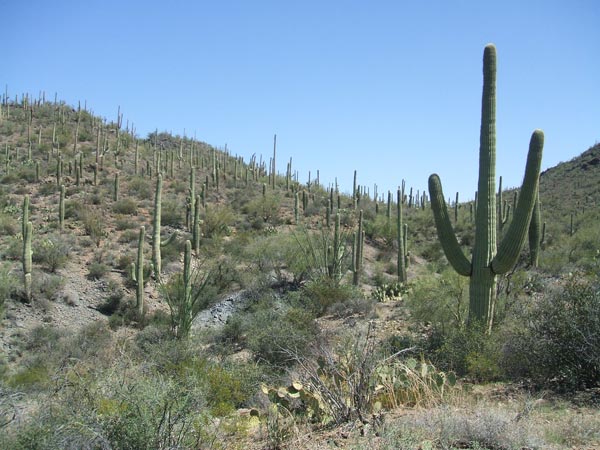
x=390, y=88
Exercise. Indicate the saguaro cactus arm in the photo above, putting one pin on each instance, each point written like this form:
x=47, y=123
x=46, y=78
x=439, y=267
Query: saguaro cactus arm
x=513, y=241
x=450, y=244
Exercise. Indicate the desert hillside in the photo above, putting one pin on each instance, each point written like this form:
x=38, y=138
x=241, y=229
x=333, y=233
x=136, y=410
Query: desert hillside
x=159, y=292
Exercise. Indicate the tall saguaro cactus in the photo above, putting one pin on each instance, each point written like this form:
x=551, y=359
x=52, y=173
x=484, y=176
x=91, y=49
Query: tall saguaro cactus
x=488, y=260
x=27, y=228
x=137, y=274
x=156, y=242
x=401, y=255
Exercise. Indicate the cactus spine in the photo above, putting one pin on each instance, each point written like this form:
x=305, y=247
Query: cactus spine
x=488, y=260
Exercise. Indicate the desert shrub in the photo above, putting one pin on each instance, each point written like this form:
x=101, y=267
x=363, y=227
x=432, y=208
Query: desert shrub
x=432, y=251
x=171, y=213
x=125, y=314
x=41, y=345
x=125, y=223
x=440, y=300
x=265, y=208
x=217, y=220
x=125, y=206
x=8, y=286
x=13, y=249
x=141, y=188
x=124, y=261
x=10, y=178
x=97, y=270
x=46, y=286
x=185, y=304
x=381, y=227
x=171, y=252
x=224, y=274
x=484, y=427
x=241, y=197
x=93, y=223
x=148, y=411
x=180, y=186
x=350, y=307
x=8, y=225
x=320, y=260
x=232, y=332
x=555, y=339
x=273, y=333
x=348, y=218
x=52, y=251
x=441, y=303
x=27, y=172
x=73, y=209
x=33, y=376
x=112, y=302
x=319, y=295
x=276, y=257
x=130, y=235
x=468, y=351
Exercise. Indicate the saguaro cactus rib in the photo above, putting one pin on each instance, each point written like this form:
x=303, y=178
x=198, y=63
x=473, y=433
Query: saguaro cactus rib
x=488, y=260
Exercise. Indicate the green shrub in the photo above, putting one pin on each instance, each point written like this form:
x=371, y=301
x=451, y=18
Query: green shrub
x=8, y=225
x=217, y=220
x=46, y=285
x=52, y=251
x=439, y=300
x=73, y=209
x=128, y=236
x=264, y=208
x=125, y=206
x=93, y=222
x=276, y=256
x=30, y=377
x=318, y=296
x=555, y=340
x=171, y=213
x=468, y=351
x=8, y=286
x=97, y=270
x=112, y=303
x=185, y=305
x=125, y=223
x=382, y=227
x=13, y=250
x=140, y=187
x=272, y=333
